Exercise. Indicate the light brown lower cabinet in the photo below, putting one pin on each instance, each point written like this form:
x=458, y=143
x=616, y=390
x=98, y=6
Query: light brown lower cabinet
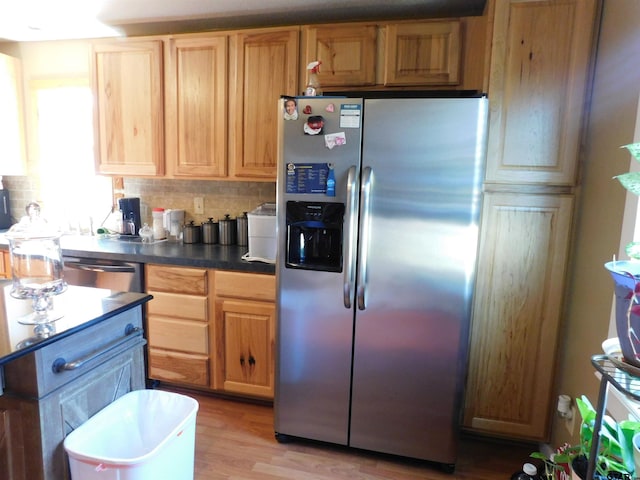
x=5, y=265
x=212, y=329
x=245, y=333
x=520, y=282
x=39, y=408
x=178, y=328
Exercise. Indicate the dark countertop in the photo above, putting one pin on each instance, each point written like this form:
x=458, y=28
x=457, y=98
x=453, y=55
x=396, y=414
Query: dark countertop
x=220, y=257
x=81, y=307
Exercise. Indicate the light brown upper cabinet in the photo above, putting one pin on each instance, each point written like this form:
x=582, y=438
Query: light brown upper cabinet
x=424, y=53
x=264, y=66
x=129, y=114
x=347, y=53
x=196, y=106
x=538, y=79
x=12, y=132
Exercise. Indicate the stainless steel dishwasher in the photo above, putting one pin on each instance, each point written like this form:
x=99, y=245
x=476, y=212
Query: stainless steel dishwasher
x=103, y=273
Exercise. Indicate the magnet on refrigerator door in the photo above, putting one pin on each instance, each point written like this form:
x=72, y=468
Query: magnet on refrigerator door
x=314, y=125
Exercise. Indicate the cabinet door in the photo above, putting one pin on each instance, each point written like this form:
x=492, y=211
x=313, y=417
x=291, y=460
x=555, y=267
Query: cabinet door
x=246, y=331
x=35, y=428
x=518, y=300
x=164, y=278
x=425, y=53
x=5, y=265
x=196, y=106
x=129, y=118
x=537, y=86
x=12, y=137
x=347, y=53
x=12, y=452
x=264, y=67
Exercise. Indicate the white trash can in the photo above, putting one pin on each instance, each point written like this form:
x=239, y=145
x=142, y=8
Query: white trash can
x=143, y=435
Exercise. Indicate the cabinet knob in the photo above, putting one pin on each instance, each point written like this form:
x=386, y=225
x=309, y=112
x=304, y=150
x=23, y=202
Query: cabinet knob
x=252, y=360
x=242, y=360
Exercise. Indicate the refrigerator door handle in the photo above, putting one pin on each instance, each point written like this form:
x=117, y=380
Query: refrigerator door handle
x=363, y=250
x=352, y=216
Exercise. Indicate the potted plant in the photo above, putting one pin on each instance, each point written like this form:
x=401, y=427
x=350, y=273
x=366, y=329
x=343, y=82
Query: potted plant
x=631, y=181
x=615, y=453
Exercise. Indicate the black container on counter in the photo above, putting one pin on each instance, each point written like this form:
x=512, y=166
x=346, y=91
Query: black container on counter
x=242, y=237
x=227, y=230
x=210, y=232
x=191, y=233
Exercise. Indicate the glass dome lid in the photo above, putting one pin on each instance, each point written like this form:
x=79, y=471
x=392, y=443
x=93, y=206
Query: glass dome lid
x=32, y=226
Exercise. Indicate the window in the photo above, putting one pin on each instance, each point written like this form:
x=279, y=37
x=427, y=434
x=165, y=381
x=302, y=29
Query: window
x=72, y=195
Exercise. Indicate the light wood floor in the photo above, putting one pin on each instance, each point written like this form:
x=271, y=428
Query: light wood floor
x=235, y=441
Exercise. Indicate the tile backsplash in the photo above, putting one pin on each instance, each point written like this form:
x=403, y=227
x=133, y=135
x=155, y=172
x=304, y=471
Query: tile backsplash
x=220, y=197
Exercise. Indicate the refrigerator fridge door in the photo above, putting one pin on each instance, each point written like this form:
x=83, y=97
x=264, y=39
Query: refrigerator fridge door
x=421, y=184
x=315, y=330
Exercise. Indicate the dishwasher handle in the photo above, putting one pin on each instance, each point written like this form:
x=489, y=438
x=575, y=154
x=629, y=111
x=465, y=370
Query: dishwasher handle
x=93, y=267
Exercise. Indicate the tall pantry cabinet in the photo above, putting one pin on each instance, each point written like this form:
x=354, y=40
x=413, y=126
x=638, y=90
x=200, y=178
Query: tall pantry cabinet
x=538, y=82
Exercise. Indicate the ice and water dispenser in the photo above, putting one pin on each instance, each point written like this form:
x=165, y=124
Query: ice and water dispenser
x=314, y=235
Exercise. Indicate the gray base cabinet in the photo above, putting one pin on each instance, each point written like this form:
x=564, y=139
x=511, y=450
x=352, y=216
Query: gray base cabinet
x=39, y=407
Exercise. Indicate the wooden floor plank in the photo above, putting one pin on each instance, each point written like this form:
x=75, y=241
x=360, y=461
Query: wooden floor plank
x=235, y=441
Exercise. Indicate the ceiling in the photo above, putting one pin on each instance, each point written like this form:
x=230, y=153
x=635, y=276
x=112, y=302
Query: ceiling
x=37, y=20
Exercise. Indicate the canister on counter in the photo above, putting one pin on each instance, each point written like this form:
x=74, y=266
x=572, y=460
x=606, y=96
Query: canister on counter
x=159, y=232
x=242, y=237
x=227, y=228
x=191, y=233
x=210, y=232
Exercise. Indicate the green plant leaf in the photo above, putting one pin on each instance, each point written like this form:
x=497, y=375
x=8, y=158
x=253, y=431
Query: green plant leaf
x=630, y=181
x=634, y=149
x=633, y=250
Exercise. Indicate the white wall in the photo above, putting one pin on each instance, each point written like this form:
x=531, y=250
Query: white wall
x=598, y=230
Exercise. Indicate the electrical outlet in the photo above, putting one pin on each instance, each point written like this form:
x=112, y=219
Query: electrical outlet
x=571, y=422
x=198, y=205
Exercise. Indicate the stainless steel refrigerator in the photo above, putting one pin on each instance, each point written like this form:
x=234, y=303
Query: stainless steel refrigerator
x=375, y=272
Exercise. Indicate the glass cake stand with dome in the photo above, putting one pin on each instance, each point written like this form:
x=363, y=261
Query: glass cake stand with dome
x=36, y=268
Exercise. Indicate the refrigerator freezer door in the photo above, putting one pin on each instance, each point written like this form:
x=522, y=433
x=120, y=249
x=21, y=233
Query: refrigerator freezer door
x=424, y=158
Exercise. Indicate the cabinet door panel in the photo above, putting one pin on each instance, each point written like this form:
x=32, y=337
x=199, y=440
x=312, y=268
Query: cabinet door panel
x=176, y=279
x=248, y=332
x=129, y=113
x=251, y=286
x=12, y=129
x=5, y=265
x=518, y=299
x=265, y=66
x=180, y=335
x=196, y=106
x=537, y=87
x=178, y=306
x=425, y=53
x=178, y=367
x=347, y=53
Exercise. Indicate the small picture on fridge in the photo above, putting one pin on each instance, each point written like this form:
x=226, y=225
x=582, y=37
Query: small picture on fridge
x=290, y=109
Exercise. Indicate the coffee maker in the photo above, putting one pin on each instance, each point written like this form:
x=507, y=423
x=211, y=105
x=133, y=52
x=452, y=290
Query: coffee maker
x=5, y=213
x=130, y=208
